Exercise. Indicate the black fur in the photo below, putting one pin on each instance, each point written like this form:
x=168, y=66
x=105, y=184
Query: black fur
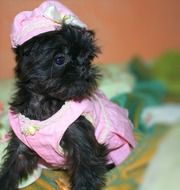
x=51, y=68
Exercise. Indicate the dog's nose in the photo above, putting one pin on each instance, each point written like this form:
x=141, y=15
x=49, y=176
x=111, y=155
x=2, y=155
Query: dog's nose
x=83, y=71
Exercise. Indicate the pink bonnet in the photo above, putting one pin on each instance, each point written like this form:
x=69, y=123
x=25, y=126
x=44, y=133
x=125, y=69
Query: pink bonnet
x=47, y=17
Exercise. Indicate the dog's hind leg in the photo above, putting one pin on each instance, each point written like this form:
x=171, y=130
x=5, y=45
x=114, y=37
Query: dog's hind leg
x=85, y=156
x=19, y=161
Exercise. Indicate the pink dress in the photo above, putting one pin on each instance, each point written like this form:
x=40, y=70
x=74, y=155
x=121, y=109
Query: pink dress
x=111, y=124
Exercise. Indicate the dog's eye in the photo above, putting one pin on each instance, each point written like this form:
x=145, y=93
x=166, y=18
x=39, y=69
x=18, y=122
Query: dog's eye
x=60, y=60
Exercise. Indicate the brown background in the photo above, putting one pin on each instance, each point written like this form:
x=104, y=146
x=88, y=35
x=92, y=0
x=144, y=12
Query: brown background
x=124, y=27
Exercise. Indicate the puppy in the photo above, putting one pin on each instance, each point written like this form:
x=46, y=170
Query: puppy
x=57, y=115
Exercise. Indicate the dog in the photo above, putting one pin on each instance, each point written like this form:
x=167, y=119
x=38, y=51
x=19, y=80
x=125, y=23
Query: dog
x=58, y=116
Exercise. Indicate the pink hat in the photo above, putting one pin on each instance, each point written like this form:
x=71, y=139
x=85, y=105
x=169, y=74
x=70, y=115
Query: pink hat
x=47, y=17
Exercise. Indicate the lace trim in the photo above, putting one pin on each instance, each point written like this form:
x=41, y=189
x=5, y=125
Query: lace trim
x=30, y=127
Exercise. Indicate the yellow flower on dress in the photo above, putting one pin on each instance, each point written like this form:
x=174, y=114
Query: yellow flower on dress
x=31, y=130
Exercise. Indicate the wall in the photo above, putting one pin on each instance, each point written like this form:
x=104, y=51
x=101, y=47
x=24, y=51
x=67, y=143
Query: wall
x=124, y=27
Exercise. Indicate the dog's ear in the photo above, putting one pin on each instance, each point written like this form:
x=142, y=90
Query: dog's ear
x=25, y=49
x=84, y=41
x=92, y=49
x=22, y=56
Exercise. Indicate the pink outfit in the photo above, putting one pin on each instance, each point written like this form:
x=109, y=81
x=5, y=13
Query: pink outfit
x=47, y=17
x=111, y=124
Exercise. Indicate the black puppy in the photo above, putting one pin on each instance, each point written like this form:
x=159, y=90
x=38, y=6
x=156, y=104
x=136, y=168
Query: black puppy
x=52, y=68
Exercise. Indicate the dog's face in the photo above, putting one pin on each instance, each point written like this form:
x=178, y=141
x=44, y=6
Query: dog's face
x=59, y=63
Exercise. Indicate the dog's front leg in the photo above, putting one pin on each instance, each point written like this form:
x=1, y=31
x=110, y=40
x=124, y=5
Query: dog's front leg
x=85, y=156
x=19, y=162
